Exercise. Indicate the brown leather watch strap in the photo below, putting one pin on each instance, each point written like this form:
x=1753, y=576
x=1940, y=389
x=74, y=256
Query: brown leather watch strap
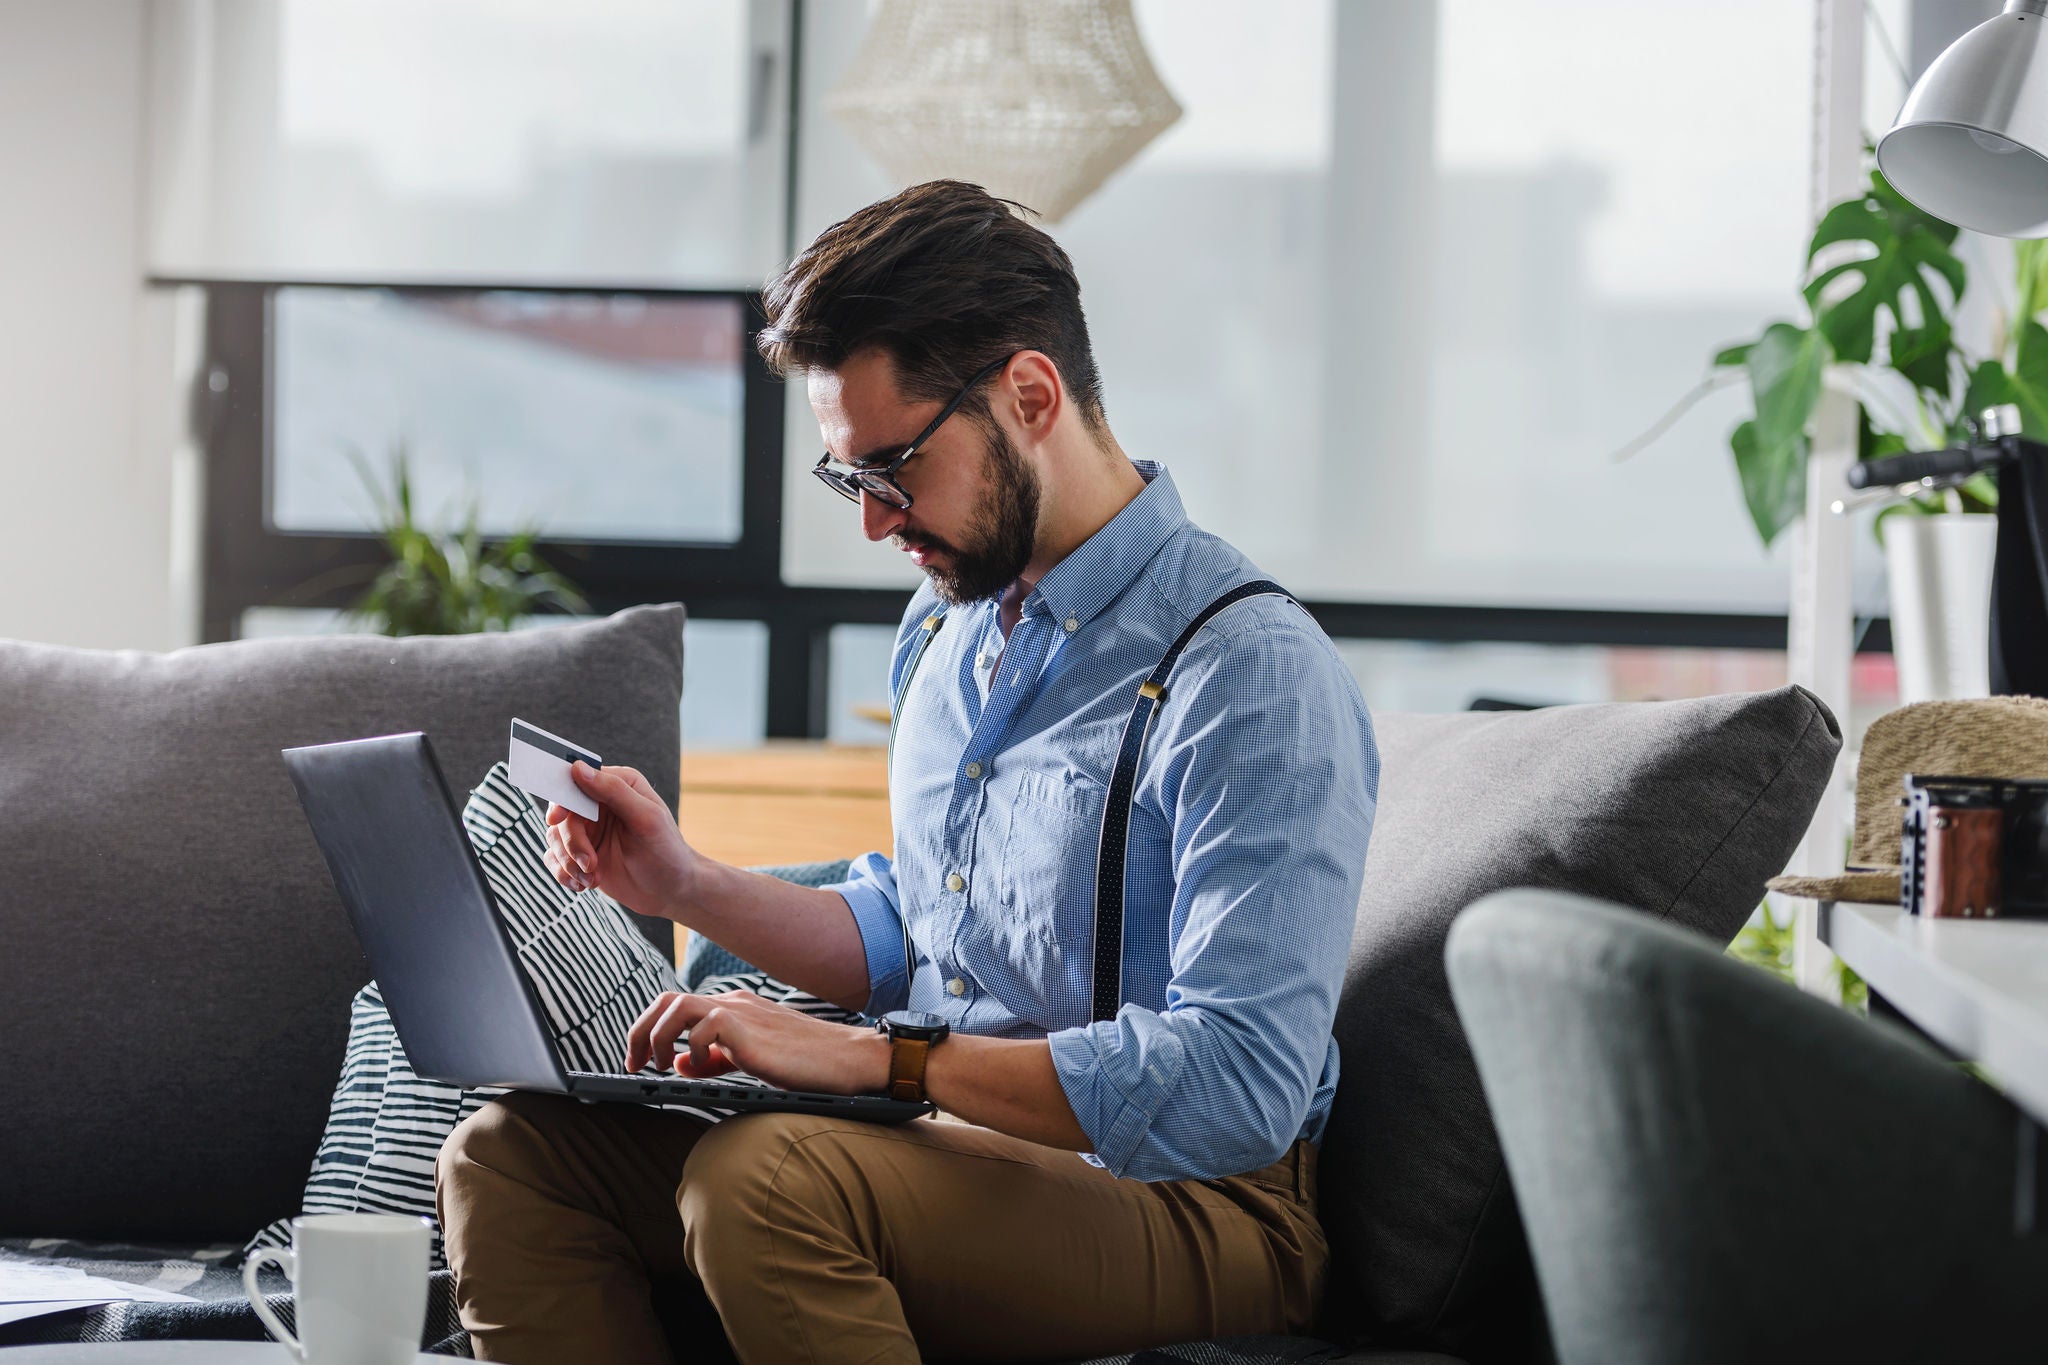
x=907, y=1057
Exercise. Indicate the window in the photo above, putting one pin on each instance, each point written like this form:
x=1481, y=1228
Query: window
x=514, y=141
x=285, y=534
x=1423, y=267
x=1403, y=277
x=594, y=417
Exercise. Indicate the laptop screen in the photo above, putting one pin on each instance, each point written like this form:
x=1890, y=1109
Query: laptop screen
x=409, y=880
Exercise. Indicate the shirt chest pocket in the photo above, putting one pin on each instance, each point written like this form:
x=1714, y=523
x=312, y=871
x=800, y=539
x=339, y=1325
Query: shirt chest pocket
x=1049, y=860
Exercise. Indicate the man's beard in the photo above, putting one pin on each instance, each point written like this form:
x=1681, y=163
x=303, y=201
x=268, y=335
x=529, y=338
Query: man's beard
x=1001, y=536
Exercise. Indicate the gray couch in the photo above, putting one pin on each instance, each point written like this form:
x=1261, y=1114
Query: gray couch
x=172, y=930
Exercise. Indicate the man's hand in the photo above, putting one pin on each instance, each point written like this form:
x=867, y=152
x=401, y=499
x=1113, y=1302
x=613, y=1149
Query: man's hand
x=741, y=1031
x=632, y=852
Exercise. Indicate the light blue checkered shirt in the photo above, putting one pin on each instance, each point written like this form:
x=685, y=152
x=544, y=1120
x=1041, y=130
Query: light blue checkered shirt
x=1247, y=848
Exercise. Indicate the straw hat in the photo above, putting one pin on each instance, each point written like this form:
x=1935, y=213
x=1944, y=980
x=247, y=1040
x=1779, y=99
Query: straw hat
x=1985, y=737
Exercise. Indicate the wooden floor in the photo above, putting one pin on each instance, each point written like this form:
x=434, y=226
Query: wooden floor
x=791, y=801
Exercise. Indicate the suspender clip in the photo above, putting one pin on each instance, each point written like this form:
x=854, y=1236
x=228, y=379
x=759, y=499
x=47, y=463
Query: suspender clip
x=1152, y=691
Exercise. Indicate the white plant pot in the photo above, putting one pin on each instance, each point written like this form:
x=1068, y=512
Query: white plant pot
x=1940, y=575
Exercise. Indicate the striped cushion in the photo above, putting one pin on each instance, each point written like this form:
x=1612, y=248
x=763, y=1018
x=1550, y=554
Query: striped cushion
x=593, y=974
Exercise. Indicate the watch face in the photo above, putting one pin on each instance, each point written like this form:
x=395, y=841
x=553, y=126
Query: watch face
x=915, y=1023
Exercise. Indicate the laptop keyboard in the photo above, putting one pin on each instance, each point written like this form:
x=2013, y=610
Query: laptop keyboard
x=710, y=1096
x=679, y=1082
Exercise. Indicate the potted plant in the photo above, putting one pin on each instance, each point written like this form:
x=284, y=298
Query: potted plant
x=442, y=582
x=452, y=582
x=1883, y=288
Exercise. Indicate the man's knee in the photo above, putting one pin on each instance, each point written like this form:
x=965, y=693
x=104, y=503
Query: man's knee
x=508, y=1134
x=759, y=1170
x=750, y=1151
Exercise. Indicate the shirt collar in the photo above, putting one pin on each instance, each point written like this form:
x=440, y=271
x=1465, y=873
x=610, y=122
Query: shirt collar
x=1078, y=587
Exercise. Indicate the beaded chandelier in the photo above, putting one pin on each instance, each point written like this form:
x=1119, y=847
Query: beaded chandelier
x=1035, y=100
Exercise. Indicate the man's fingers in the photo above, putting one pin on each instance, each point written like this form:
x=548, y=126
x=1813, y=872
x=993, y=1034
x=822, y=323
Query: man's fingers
x=608, y=785
x=558, y=868
x=702, y=1064
x=624, y=793
x=562, y=865
x=638, y=782
x=574, y=845
x=578, y=847
x=568, y=821
x=636, y=1034
x=714, y=1023
x=710, y=1051
x=685, y=1014
x=640, y=1046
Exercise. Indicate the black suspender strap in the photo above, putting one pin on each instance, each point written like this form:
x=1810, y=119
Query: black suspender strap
x=1110, y=856
x=1114, y=845
x=930, y=628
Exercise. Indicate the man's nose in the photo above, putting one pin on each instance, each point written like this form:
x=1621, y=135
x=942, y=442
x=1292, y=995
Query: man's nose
x=879, y=520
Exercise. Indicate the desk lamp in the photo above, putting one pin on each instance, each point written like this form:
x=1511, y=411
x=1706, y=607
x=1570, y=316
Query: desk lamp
x=1971, y=144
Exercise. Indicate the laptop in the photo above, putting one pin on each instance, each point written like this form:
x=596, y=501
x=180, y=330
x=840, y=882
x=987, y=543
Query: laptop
x=461, y=1003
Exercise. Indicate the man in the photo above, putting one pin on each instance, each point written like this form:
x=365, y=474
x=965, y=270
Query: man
x=1136, y=1179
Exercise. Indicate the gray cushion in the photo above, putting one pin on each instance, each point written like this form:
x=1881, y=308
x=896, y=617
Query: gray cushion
x=174, y=996
x=1679, y=808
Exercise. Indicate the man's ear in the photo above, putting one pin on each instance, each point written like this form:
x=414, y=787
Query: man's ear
x=1034, y=392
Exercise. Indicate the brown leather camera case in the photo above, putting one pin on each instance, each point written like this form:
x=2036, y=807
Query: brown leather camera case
x=1964, y=847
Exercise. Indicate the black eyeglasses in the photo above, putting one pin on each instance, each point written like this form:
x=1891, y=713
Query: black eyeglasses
x=878, y=480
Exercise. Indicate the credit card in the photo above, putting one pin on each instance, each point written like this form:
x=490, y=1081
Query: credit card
x=540, y=765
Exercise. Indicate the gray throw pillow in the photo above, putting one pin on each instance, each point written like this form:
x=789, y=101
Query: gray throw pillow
x=175, y=991
x=1679, y=809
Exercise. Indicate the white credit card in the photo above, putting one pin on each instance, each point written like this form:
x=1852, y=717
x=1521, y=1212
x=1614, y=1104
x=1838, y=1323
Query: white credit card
x=540, y=765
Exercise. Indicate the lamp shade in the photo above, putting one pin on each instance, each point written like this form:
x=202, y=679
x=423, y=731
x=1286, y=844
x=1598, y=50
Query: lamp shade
x=1971, y=144
x=1035, y=100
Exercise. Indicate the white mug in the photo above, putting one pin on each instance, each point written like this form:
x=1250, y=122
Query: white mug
x=360, y=1283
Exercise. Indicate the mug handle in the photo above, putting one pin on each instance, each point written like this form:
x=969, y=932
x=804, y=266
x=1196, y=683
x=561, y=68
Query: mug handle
x=287, y=1261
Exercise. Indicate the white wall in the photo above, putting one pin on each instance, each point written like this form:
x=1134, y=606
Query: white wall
x=86, y=402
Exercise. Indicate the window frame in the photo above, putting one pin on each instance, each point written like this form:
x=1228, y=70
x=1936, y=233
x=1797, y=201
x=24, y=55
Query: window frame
x=248, y=564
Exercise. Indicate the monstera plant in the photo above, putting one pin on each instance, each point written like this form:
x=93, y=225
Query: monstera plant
x=1881, y=295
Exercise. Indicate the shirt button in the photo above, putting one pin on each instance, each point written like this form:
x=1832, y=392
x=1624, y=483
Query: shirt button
x=1072, y=625
x=974, y=770
x=955, y=882
x=957, y=986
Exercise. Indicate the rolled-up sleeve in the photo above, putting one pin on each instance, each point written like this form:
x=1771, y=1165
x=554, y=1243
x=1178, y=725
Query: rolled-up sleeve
x=1265, y=761
x=870, y=893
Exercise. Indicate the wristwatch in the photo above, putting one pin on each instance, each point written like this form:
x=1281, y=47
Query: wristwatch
x=912, y=1036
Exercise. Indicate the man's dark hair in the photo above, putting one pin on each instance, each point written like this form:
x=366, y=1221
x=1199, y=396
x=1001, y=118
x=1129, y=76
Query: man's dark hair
x=944, y=277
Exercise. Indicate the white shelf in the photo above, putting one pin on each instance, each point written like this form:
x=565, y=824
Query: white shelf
x=1977, y=987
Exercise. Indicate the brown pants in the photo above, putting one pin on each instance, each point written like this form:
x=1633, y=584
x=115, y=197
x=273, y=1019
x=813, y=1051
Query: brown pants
x=574, y=1229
